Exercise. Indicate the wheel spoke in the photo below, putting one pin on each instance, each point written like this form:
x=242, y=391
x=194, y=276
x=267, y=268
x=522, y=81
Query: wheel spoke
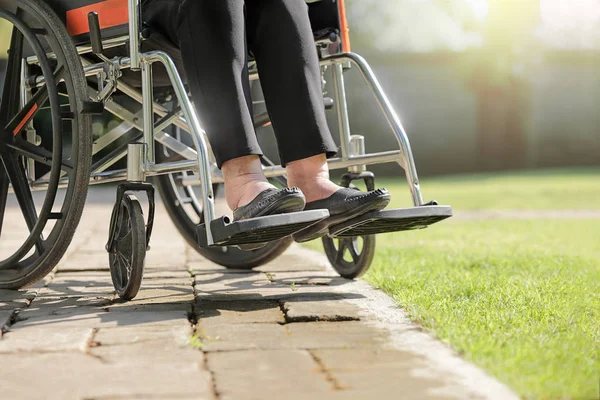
x=119, y=267
x=33, y=106
x=124, y=244
x=126, y=264
x=352, y=249
x=11, y=91
x=341, y=250
x=20, y=185
x=37, y=153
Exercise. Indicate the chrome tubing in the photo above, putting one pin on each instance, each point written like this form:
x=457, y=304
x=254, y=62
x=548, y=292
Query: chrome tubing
x=159, y=110
x=171, y=167
x=197, y=133
x=148, y=112
x=407, y=161
x=176, y=146
x=166, y=121
x=334, y=163
x=217, y=177
x=163, y=138
x=135, y=162
x=341, y=105
x=134, y=33
x=109, y=163
x=124, y=63
x=114, y=134
x=357, y=148
x=106, y=44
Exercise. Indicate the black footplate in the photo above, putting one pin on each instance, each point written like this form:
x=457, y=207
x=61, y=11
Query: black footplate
x=400, y=219
x=260, y=229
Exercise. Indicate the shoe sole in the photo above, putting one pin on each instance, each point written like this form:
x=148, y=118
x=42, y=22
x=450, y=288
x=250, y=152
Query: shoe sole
x=321, y=228
x=287, y=204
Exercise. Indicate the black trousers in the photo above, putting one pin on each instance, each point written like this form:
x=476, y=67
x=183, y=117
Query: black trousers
x=215, y=37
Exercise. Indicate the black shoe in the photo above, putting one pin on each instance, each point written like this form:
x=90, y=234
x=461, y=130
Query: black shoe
x=343, y=205
x=270, y=202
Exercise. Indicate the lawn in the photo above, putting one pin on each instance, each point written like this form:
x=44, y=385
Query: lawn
x=520, y=298
x=543, y=189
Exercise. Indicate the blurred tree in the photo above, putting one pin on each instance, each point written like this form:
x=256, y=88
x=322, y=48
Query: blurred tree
x=573, y=24
x=414, y=26
x=498, y=80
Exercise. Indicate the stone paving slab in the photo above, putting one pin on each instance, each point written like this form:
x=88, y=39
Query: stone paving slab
x=378, y=373
x=165, y=273
x=176, y=333
x=304, y=310
x=96, y=379
x=142, y=352
x=43, y=339
x=9, y=306
x=228, y=337
x=257, y=285
x=238, y=312
x=15, y=295
x=178, y=303
x=292, y=329
x=42, y=306
x=281, y=374
x=92, y=318
x=5, y=320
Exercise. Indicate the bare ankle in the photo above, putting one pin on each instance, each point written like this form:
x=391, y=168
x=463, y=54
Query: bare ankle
x=311, y=175
x=244, y=180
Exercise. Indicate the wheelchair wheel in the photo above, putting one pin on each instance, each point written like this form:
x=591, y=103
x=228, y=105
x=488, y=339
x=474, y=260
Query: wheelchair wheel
x=350, y=257
x=45, y=142
x=185, y=210
x=127, y=261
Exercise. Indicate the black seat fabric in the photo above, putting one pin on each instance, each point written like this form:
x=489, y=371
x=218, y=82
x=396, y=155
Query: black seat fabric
x=323, y=15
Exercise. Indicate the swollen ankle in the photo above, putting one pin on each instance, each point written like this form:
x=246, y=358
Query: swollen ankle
x=239, y=193
x=316, y=189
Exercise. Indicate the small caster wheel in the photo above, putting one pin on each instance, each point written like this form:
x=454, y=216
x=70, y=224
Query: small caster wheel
x=350, y=256
x=127, y=259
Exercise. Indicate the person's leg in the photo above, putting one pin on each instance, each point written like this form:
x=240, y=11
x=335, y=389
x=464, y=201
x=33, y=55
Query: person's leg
x=281, y=39
x=211, y=35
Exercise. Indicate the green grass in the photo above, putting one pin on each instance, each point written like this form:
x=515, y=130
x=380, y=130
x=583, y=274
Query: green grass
x=520, y=298
x=543, y=189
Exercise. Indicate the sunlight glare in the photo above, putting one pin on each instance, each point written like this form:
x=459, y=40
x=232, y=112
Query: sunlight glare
x=572, y=13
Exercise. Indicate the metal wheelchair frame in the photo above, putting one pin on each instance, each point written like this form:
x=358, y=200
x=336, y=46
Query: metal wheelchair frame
x=141, y=161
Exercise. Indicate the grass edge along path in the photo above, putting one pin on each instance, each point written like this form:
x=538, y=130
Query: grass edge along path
x=520, y=298
x=528, y=314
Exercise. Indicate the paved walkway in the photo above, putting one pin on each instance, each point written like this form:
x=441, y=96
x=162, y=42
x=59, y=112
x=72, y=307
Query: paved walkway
x=291, y=330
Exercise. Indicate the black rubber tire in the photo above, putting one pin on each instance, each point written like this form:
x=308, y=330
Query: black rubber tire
x=83, y=140
x=130, y=221
x=359, y=265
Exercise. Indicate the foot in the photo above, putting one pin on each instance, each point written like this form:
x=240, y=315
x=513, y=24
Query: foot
x=311, y=175
x=348, y=203
x=269, y=202
x=244, y=181
x=343, y=205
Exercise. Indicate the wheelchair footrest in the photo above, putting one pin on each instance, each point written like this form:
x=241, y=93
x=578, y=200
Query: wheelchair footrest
x=258, y=230
x=400, y=219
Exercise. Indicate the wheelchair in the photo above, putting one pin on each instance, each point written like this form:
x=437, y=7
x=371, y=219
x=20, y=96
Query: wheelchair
x=75, y=67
